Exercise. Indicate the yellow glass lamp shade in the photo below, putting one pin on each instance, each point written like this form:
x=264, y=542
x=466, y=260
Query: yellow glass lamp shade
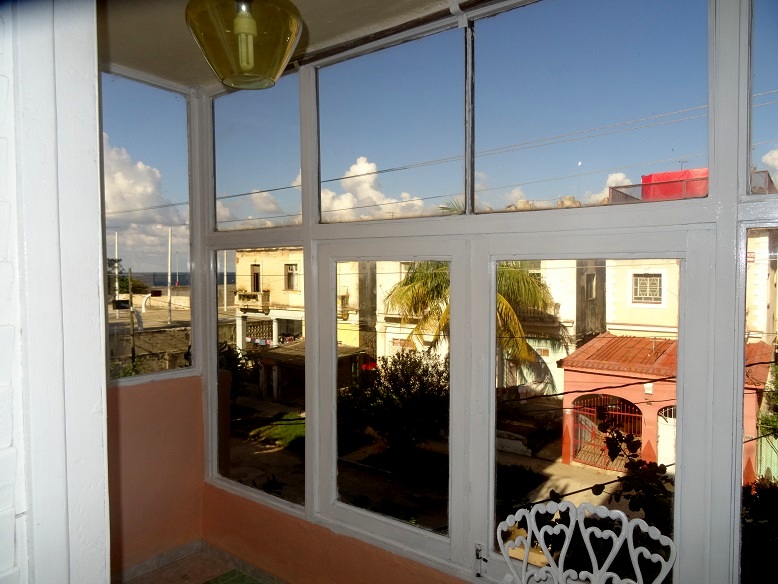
x=247, y=43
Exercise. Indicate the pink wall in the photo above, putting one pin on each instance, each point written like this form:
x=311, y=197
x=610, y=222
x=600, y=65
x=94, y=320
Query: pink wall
x=663, y=395
x=750, y=430
x=159, y=502
x=155, y=469
x=297, y=551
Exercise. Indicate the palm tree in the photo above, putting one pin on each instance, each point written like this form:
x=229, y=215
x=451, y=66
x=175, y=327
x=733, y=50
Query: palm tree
x=422, y=298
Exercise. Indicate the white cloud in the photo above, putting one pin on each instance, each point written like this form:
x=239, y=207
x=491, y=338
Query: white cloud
x=362, y=198
x=515, y=196
x=265, y=203
x=481, y=181
x=136, y=187
x=131, y=184
x=615, y=179
x=256, y=210
x=223, y=212
x=771, y=159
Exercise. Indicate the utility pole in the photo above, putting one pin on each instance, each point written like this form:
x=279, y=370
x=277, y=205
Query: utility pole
x=116, y=272
x=132, y=321
x=169, y=253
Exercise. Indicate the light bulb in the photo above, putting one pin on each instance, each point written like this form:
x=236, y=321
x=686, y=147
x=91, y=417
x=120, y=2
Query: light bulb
x=245, y=28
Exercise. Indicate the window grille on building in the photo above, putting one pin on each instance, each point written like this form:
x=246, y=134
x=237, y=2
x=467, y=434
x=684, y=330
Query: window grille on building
x=647, y=288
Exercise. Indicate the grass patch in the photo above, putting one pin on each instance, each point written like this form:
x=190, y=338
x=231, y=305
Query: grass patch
x=282, y=431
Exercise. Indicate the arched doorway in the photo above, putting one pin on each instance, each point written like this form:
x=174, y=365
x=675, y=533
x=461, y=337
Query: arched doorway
x=588, y=442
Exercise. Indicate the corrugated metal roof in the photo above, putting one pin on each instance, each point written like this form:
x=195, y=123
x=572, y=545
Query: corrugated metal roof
x=654, y=357
x=608, y=352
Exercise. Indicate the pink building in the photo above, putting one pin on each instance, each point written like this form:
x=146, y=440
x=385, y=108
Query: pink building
x=634, y=379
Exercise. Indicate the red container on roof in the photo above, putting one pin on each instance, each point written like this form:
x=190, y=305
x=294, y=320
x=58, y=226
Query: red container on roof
x=679, y=184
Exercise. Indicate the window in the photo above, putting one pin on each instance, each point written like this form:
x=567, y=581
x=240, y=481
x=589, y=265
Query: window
x=256, y=277
x=146, y=192
x=576, y=397
x=759, y=483
x=617, y=123
x=591, y=292
x=261, y=373
x=764, y=107
x=369, y=168
x=618, y=262
x=257, y=148
x=291, y=276
x=647, y=288
x=393, y=406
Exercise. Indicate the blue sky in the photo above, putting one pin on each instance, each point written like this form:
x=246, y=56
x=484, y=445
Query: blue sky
x=257, y=137
x=560, y=109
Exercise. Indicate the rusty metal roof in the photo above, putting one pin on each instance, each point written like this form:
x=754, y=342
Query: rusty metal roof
x=654, y=357
x=623, y=354
x=759, y=356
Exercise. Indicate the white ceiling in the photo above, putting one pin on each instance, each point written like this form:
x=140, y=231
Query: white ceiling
x=151, y=36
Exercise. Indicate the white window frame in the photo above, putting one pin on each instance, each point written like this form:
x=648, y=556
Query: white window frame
x=330, y=509
x=195, y=150
x=700, y=232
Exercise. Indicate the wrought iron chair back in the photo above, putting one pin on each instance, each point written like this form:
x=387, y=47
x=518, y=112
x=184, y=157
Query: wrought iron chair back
x=534, y=528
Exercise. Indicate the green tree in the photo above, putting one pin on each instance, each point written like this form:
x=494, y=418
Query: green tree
x=422, y=298
x=768, y=415
x=138, y=286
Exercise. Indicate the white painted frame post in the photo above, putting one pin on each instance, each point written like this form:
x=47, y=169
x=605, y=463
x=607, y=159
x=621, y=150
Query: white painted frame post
x=63, y=279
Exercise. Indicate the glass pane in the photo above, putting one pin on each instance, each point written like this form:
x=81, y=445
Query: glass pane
x=764, y=102
x=146, y=189
x=261, y=370
x=759, y=518
x=586, y=387
x=257, y=150
x=393, y=389
x=612, y=112
x=392, y=134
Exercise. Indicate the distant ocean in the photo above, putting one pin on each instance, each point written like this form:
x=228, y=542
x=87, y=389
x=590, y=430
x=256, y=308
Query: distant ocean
x=159, y=279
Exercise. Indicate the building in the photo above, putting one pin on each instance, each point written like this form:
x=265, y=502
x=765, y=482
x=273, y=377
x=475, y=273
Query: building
x=65, y=434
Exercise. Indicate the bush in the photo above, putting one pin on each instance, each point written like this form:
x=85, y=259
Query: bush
x=236, y=362
x=353, y=410
x=410, y=399
x=138, y=286
x=759, y=524
x=404, y=400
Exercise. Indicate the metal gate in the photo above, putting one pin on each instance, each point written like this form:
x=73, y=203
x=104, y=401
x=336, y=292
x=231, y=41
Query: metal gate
x=588, y=442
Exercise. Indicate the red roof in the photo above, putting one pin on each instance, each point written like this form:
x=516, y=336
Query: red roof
x=653, y=357
x=621, y=354
x=761, y=354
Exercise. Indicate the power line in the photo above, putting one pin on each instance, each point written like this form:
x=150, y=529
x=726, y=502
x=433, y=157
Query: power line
x=594, y=132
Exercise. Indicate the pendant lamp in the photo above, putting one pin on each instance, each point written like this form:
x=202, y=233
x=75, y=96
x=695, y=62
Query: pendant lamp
x=247, y=43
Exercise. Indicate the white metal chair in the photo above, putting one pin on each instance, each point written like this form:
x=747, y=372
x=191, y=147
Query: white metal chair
x=529, y=529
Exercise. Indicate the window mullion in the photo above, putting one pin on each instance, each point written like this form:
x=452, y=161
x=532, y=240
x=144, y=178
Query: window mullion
x=469, y=119
x=480, y=376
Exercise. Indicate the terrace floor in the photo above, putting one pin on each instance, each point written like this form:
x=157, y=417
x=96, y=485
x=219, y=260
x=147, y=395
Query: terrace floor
x=203, y=567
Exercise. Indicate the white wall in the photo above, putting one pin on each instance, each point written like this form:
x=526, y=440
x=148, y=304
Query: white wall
x=53, y=260
x=13, y=506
